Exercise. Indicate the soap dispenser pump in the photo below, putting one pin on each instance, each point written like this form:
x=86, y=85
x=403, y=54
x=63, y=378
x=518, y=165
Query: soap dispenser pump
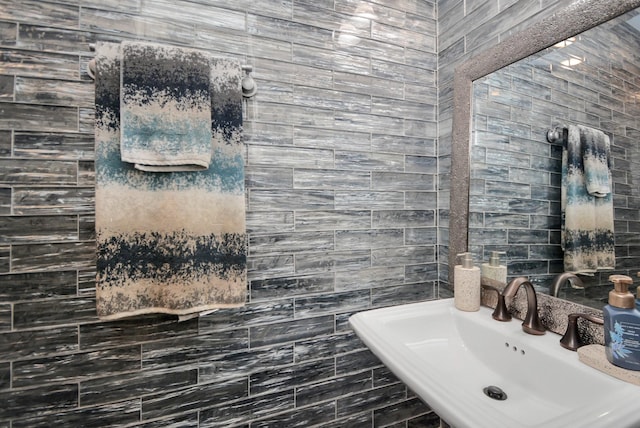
x=466, y=284
x=494, y=270
x=622, y=325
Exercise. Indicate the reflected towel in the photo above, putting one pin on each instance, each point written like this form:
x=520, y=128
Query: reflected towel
x=165, y=108
x=587, y=220
x=596, y=152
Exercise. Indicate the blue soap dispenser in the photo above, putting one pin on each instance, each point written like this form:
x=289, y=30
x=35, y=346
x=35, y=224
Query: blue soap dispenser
x=622, y=325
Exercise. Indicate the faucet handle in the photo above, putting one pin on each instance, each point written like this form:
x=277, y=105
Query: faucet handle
x=500, y=313
x=571, y=338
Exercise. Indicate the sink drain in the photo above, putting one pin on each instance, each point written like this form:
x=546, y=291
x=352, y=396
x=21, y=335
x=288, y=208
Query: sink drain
x=495, y=392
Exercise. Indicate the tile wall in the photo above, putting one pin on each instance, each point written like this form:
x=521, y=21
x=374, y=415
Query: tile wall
x=516, y=173
x=341, y=177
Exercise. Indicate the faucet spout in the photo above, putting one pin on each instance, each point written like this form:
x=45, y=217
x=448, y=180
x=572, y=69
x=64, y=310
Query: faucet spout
x=531, y=323
x=561, y=279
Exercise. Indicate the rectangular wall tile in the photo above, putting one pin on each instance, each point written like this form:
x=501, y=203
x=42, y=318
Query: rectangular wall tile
x=319, y=414
x=84, y=365
x=278, y=200
x=291, y=330
x=129, y=331
x=371, y=399
x=188, y=399
x=331, y=220
x=15, y=172
x=291, y=242
x=190, y=350
x=326, y=346
x=125, y=412
x=256, y=406
x=6, y=88
x=332, y=261
x=29, y=200
x=42, y=399
x=58, y=92
x=290, y=286
x=38, y=343
x=53, y=145
x=288, y=377
x=244, y=363
x=14, y=229
x=53, y=312
x=36, y=257
x=331, y=179
x=347, y=239
x=350, y=301
x=37, y=285
x=125, y=386
x=40, y=64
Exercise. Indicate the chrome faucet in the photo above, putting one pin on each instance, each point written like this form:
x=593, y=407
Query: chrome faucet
x=531, y=323
x=561, y=279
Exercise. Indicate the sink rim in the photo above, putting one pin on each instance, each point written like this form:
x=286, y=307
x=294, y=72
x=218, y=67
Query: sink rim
x=369, y=326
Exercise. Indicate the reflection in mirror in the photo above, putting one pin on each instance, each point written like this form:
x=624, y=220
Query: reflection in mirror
x=592, y=79
x=577, y=17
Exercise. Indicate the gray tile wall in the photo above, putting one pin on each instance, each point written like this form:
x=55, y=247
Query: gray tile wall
x=516, y=173
x=341, y=196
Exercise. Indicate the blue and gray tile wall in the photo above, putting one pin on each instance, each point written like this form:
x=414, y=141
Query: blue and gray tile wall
x=341, y=195
x=516, y=173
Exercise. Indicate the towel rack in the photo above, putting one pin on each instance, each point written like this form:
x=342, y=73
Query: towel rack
x=249, y=87
x=556, y=135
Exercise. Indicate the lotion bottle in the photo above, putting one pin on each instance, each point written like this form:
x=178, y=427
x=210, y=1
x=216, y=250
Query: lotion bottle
x=622, y=325
x=466, y=284
x=494, y=270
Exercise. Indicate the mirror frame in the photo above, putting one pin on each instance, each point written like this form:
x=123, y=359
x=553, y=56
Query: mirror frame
x=574, y=19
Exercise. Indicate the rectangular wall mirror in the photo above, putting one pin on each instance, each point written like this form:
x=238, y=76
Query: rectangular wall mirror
x=580, y=66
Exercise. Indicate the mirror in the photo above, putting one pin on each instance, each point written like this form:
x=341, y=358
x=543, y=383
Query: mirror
x=576, y=18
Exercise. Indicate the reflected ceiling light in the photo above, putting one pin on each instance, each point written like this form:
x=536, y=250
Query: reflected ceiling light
x=572, y=61
x=565, y=43
x=346, y=35
x=365, y=10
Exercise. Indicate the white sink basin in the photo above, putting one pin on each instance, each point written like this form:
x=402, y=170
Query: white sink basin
x=448, y=357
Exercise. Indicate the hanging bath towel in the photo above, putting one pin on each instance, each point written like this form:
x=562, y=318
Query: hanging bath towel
x=165, y=108
x=169, y=242
x=587, y=202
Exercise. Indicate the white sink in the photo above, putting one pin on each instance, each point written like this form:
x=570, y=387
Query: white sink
x=448, y=357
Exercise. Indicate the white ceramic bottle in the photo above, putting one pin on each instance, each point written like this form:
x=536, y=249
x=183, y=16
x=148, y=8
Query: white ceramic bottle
x=494, y=270
x=466, y=284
